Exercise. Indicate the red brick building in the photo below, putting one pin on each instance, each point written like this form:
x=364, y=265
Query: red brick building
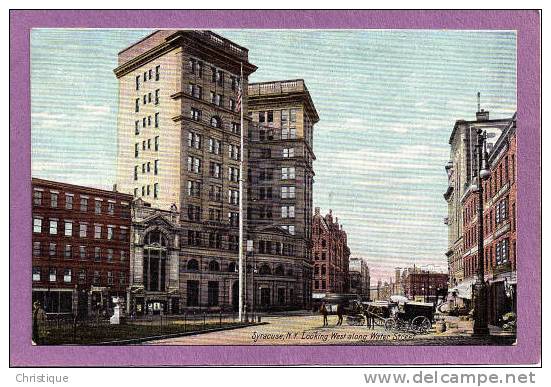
x=426, y=286
x=81, y=241
x=331, y=255
x=499, y=214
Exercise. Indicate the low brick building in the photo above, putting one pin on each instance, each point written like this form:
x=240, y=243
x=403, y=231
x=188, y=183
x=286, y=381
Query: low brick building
x=81, y=239
x=331, y=255
x=426, y=286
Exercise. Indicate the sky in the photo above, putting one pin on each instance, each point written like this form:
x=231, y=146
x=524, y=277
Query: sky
x=387, y=102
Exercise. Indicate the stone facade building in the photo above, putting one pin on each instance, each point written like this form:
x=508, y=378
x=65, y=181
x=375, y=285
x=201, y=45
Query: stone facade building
x=178, y=153
x=360, y=280
x=331, y=255
x=81, y=241
x=280, y=176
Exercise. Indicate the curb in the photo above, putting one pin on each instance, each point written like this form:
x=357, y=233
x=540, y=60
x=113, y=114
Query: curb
x=172, y=335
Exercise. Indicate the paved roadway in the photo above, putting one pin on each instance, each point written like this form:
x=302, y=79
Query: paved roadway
x=308, y=330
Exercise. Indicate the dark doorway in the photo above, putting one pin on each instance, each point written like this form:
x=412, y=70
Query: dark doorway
x=265, y=298
x=235, y=295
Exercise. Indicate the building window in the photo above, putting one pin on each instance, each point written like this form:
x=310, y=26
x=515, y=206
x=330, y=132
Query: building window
x=194, y=140
x=97, y=231
x=110, y=232
x=36, y=249
x=195, y=114
x=122, y=278
x=83, y=229
x=215, y=122
x=288, y=152
x=67, y=276
x=213, y=292
x=156, y=143
x=287, y=192
x=194, y=188
x=109, y=255
x=68, y=252
x=36, y=274
x=82, y=276
x=157, y=72
x=82, y=252
x=235, y=128
x=53, y=227
x=123, y=255
x=193, y=164
x=111, y=208
x=96, y=278
x=287, y=173
x=97, y=254
x=137, y=106
x=288, y=211
x=53, y=274
x=155, y=190
x=233, y=174
x=37, y=198
x=214, y=146
x=53, y=200
x=68, y=228
x=83, y=204
x=53, y=250
x=37, y=225
x=97, y=208
x=157, y=96
x=192, y=293
x=123, y=234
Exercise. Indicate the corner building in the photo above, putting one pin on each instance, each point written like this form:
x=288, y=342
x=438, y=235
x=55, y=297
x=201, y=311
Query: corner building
x=178, y=155
x=280, y=176
x=81, y=240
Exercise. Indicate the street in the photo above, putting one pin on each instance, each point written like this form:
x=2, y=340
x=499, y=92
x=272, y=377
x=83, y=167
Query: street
x=308, y=330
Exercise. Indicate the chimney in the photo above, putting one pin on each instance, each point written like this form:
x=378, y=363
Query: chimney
x=481, y=115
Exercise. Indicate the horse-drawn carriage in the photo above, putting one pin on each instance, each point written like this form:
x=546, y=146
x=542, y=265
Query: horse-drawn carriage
x=415, y=317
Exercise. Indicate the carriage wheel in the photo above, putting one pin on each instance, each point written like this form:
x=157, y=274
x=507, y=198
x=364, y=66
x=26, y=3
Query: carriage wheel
x=421, y=325
x=390, y=324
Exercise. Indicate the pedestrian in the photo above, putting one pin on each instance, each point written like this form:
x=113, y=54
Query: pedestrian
x=323, y=311
x=370, y=324
x=38, y=317
x=340, y=311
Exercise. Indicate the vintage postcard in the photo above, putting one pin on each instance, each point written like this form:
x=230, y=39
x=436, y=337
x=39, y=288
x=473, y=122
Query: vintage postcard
x=356, y=185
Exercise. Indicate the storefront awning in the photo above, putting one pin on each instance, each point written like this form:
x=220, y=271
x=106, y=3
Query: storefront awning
x=463, y=289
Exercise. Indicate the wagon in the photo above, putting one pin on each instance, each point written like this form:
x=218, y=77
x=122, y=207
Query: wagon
x=415, y=317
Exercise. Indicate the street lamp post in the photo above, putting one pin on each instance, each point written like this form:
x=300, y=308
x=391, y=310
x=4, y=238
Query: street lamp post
x=480, y=327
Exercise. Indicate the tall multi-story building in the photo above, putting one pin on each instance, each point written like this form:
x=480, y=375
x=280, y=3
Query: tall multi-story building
x=460, y=170
x=81, y=243
x=178, y=155
x=331, y=255
x=280, y=176
x=499, y=214
x=360, y=281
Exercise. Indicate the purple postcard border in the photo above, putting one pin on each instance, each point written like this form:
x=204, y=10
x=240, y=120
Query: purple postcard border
x=528, y=349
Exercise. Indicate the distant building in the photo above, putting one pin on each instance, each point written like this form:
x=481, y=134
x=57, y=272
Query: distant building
x=81, y=241
x=331, y=255
x=360, y=282
x=426, y=286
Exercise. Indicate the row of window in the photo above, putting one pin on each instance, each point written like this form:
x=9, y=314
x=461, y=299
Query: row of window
x=66, y=276
x=146, y=168
x=81, y=252
x=286, y=117
x=216, y=99
x=197, y=115
x=197, y=67
x=287, y=133
x=148, y=191
x=501, y=175
x=82, y=231
x=212, y=239
x=264, y=269
x=146, y=122
x=276, y=248
x=38, y=200
x=147, y=99
x=148, y=75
